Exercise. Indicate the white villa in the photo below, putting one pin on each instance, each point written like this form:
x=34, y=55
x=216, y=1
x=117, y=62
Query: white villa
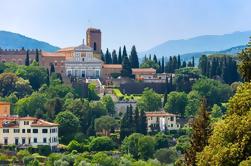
x=26, y=131
x=162, y=120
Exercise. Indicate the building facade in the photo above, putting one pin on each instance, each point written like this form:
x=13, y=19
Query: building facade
x=161, y=121
x=27, y=131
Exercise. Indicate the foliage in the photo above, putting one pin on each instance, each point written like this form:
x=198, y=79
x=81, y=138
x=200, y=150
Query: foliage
x=103, y=159
x=134, y=58
x=200, y=134
x=214, y=91
x=109, y=104
x=68, y=123
x=105, y=124
x=193, y=102
x=176, y=102
x=146, y=147
x=92, y=95
x=102, y=144
x=126, y=67
x=149, y=101
x=229, y=143
x=166, y=155
x=74, y=145
x=118, y=94
x=245, y=63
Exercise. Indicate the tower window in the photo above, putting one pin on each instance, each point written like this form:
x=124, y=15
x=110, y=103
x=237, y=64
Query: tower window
x=94, y=46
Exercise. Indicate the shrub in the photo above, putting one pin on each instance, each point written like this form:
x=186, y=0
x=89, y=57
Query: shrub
x=74, y=145
x=118, y=94
x=44, y=150
x=165, y=155
x=102, y=144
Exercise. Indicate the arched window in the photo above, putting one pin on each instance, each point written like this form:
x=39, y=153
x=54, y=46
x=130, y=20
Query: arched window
x=94, y=46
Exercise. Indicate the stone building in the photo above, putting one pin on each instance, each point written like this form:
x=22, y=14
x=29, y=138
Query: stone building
x=26, y=131
x=93, y=40
x=16, y=55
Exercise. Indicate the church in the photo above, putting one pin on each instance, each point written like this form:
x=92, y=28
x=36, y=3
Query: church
x=81, y=61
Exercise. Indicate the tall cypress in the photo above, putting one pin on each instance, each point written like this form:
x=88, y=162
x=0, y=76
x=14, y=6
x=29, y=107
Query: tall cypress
x=126, y=68
x=52, y=70
x=102, y=56
x=27, y=58
x=108, y=58
x=193, y=63
x=124, y=54
x=126, y=125
x=200, y=134
x=134, y=60
x=162, y=64
x=37, y=55
x=143, y=122
x=155, y=58
x=114, y=57
x=203, y=65
x=137, y=121
x=120, y=56
x=179, y=62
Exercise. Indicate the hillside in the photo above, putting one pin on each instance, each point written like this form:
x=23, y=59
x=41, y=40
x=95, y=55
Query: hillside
x=10, y=40
x=206, y=43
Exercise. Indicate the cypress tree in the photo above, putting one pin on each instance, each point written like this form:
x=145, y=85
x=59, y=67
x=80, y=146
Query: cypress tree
x=165, y=99
x=190, y=64
x=108, y=58
x=162, y=64
x=47, y=77
x=58, y=105
x=102, y=56
x=179, y=62
x=200, y=134
x=134, y=58
x=120, y=56
x=37, y=56
x=137, y=121
x=126, y=68
x=184, y=64
x=175, y=63
x=193, y=62
x=52, y=70
x=159, y=68
x=126, y=125
x=27, y=58
x=114, y=57
x=124, y=54
x=203, y=65
x=143, y=122
x=155, y=58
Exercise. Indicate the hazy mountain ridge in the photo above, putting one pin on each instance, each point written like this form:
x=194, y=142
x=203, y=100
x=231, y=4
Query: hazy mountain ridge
x=206, y=43
x=10, y=40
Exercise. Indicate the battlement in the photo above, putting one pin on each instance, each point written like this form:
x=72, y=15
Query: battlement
x=16, y=51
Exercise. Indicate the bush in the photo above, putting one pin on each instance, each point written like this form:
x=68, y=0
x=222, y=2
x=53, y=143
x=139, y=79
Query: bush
x=44, y=150
x=74, y=145
x=118, y=94
x=165, y=155
x=102, y=144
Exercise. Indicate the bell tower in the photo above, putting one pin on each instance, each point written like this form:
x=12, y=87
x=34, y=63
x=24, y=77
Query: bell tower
x=93, y=40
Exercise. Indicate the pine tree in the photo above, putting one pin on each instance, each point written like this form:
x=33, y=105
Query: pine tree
x=155, y=59
x=137, y=121
x=126, y=68
x=37, y=56
x=52, y=70
x=200, y=134
x=134, y=58
x=102, y=56
x=124, y=54
x=193, y=62
x=120, y=56
x=27, y=58
x=179, y=62
x=114, y=57
x=162, y=64
x=143, y=122
x=108, y=58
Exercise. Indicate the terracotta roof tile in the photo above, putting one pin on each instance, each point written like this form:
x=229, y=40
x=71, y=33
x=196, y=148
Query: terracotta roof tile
x=143, y=71
x=112, y=66
x=52, y=54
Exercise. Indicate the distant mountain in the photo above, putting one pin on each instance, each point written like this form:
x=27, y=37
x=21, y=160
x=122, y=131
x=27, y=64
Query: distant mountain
x=206, y=43
x=10, y=40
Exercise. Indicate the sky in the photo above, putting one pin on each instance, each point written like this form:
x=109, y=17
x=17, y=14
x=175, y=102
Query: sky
x=144, y=23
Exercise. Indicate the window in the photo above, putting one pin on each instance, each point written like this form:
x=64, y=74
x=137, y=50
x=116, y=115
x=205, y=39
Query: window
x=26, y=122
x=35, y=131
x=44, y=131
x=23, y=130
x=35, y=140
x=94, y=46
x=16, y=141
x=5, y=141
x=44, y=140
x=5, y=130
x=23, y=140
x=171, y=125
x=171, y=118
x=16, y=130
x=28, y=130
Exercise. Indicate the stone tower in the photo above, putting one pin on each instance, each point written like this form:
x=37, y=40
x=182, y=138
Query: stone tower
x=93, y=40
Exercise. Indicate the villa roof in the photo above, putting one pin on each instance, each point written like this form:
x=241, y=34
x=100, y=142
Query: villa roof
x=43, y=123
x=143, y=71
x=158, y=114
x=112, y=66
x=52, y=54
x=66, y=49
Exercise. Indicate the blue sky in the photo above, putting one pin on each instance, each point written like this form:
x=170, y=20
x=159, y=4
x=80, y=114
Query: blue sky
x=144, y=23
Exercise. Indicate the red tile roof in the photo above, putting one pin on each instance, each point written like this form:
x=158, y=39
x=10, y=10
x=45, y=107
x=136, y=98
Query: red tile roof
x=52, y=54
x=143, y=71
x=112, y=66
x=158, y=114
x=43, y=123
x=66, y=49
